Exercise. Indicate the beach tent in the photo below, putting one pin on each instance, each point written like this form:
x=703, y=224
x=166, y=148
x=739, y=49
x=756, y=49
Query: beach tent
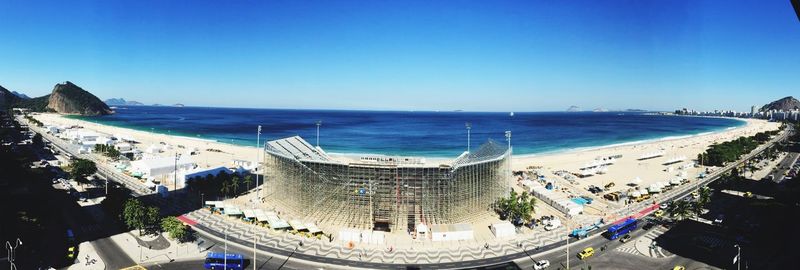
x=312, y=228
x=260, y=215
x=249, y=214
x=297, y=225
x=233, y=211
x=503, y=229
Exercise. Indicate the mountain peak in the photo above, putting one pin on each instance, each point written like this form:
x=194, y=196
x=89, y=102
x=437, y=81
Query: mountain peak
x=786, y=104
x=68, y=98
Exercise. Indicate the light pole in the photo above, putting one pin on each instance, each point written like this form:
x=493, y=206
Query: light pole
x=567, y=250
x=10, y=250
x=225, y=254
x=175, y=174
x=469, y=128
x=738, y=258
x=508, y=138
x=258, y=146
x=319, y=123
x=255, y=239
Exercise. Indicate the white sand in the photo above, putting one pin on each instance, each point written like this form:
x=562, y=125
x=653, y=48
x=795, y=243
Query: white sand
x=623, y=171
x=627, y=168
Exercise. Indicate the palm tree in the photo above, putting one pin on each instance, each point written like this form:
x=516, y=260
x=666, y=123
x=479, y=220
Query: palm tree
x=704, y=196
x=248, y=179
x=235, y=184
x=226, y=188
x=680, y=209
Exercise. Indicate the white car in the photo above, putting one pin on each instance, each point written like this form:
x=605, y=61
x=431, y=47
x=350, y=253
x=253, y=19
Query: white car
x=541, y=264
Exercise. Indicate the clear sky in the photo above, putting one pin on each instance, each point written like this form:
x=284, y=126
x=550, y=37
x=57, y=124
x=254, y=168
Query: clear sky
x=406, y=55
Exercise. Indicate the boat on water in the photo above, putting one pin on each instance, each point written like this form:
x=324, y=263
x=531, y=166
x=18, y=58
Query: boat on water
x=511, y=114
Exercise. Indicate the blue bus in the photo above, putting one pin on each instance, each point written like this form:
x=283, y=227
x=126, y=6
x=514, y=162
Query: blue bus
x=621, y=229
x=215, y=260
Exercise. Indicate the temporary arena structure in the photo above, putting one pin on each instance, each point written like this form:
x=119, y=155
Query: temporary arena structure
x=384, y=192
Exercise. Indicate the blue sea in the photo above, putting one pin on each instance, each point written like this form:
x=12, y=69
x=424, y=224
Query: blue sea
x=423, y=133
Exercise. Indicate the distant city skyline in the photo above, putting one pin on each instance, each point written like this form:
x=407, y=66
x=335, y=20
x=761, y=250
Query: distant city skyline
x=472, y=56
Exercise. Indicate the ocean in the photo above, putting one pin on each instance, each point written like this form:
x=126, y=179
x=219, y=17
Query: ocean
x=412, y=133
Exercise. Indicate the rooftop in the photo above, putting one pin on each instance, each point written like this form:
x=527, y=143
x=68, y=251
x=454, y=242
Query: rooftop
x=297, y=148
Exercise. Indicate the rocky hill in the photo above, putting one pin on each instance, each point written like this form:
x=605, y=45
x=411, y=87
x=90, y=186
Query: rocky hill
x=7, y=98
x=66, y=98
x=121, y=102
x=787, y=104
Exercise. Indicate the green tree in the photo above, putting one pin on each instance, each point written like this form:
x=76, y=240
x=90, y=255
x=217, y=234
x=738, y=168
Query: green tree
x=176, y=229
x=37, y=139
x=151, y=218
x=248, y=180
x=680, y=209
x=235, y=183
x=82, y=168
x=225, y=189
x=134, y=214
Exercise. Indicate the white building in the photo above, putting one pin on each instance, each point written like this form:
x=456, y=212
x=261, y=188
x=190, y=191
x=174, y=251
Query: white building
x=161, y=166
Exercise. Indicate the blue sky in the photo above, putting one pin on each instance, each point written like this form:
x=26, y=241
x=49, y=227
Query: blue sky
x=406, y=55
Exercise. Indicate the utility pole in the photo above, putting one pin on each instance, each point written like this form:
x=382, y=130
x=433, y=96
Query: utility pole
x=225, y=254
x=469, y=128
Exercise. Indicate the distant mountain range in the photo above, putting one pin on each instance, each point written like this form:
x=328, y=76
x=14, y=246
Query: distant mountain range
x=122, y=101
x=66, y=98
x=20, y=95
x=786, y=104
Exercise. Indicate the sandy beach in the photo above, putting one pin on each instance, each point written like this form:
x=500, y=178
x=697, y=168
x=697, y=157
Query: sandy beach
x=624, y=170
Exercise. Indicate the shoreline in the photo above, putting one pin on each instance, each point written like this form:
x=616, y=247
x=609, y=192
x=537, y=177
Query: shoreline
x=629, y=166
x=570, y=150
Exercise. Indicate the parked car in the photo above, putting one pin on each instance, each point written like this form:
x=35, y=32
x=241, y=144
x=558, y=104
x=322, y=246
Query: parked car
x=719, y=219
x=659, y=213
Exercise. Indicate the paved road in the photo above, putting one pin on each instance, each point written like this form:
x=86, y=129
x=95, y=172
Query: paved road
x=785, y=165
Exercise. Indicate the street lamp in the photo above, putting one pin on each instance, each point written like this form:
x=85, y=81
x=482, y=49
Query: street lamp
x=738, y=259
x=508, y=138
x=319, y=123
x=255, y=167
x=10, y=250
x=469, y=128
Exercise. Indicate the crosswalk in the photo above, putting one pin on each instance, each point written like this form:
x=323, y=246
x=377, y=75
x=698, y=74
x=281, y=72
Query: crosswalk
x=644, y=243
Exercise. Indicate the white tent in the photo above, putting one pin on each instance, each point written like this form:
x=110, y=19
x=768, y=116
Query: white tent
x=161, y=165
x=503, y=229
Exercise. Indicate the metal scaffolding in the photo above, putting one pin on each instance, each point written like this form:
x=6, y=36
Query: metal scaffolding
x=384, y=192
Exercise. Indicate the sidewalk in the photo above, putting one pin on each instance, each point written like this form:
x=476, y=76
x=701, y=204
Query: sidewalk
x=158, y=249
x=86, y=250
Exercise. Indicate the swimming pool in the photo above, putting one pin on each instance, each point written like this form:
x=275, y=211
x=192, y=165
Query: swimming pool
x=580, y=200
